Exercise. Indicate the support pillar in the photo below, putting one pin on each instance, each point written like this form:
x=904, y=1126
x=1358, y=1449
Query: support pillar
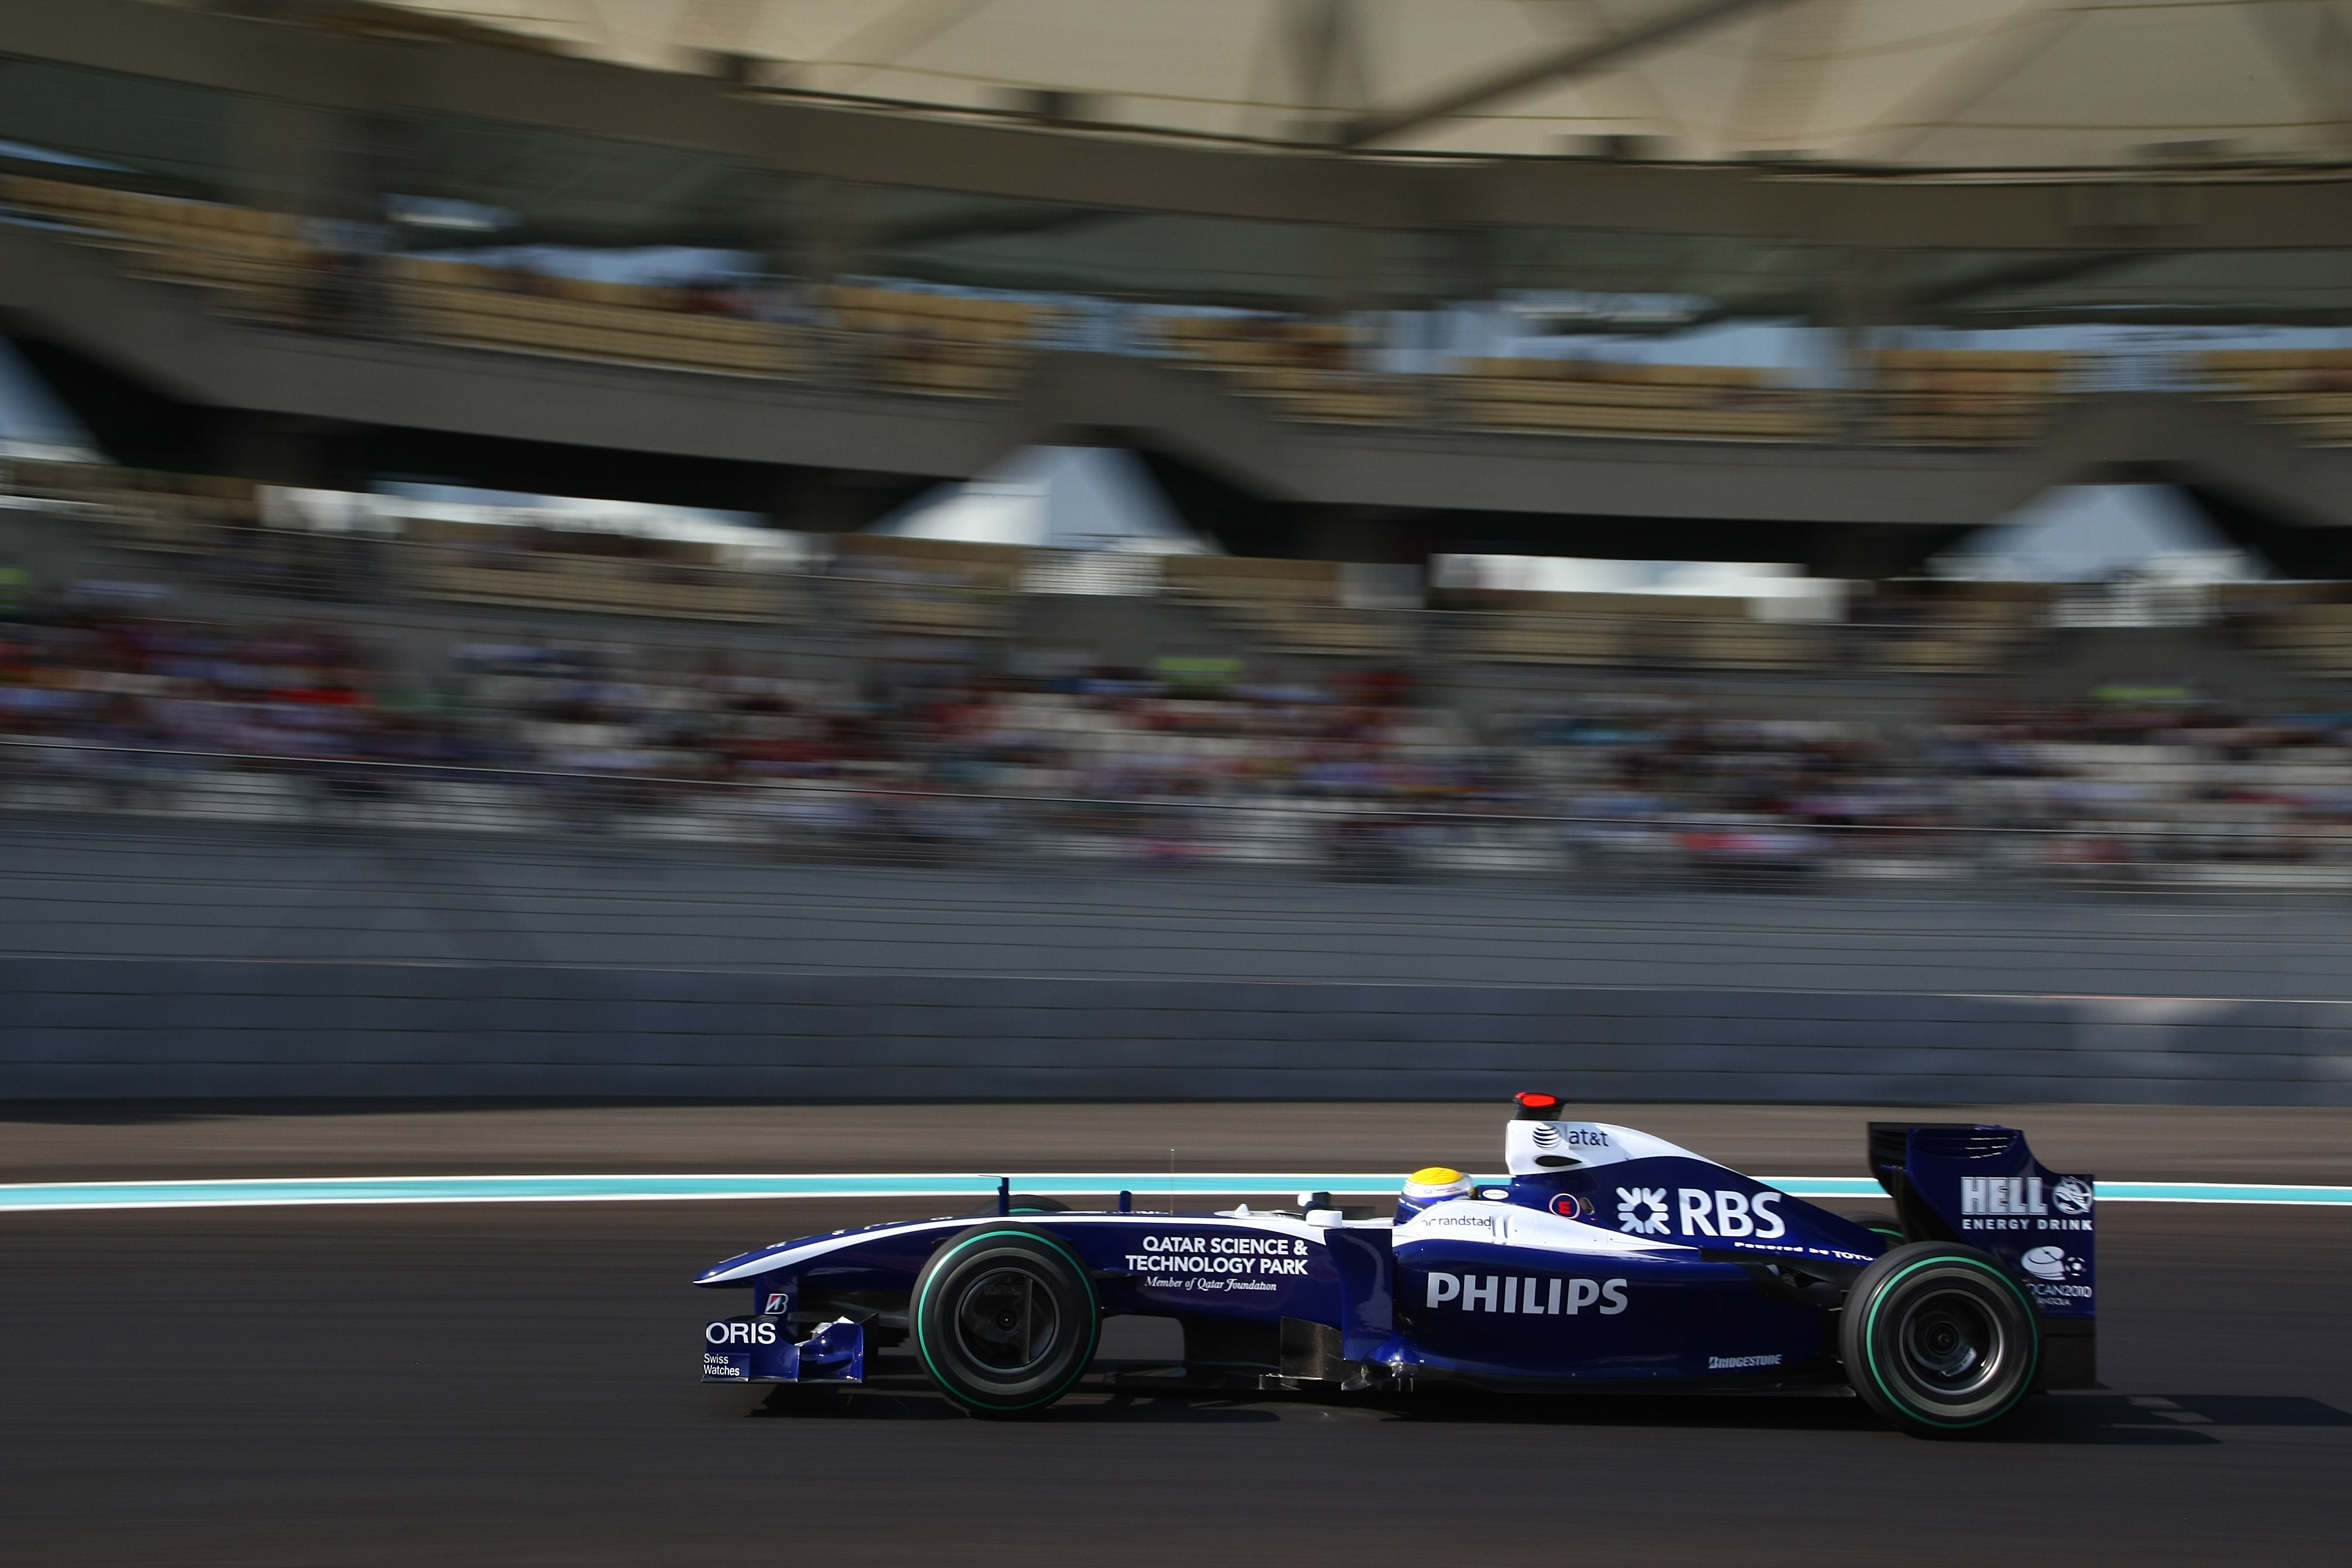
x=295, y=158
x=828, y=244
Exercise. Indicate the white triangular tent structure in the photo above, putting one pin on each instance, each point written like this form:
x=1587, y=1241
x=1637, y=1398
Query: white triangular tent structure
x=1055, y=497
x=2094, y=533
x=34, y=422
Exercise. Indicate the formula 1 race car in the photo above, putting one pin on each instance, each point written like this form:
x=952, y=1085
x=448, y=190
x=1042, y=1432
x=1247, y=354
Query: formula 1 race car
x=1609, y=1259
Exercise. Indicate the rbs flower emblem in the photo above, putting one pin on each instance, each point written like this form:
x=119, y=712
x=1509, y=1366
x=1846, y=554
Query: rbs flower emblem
x=1641, y=1210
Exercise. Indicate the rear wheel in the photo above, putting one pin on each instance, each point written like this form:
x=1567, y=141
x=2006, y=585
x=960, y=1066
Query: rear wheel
x=1005, y=1319
x=1939, y=1340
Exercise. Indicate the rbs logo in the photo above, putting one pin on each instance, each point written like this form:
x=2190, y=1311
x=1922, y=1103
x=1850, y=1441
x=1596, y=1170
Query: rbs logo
x=1510, y=1293
x=1643, y=1211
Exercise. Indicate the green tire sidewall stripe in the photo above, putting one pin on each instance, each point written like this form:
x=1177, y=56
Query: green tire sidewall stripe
x=1870, y=1331
x=923, y=1347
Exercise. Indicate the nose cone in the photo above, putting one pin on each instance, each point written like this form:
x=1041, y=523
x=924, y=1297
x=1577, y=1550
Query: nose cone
x=732, y=1270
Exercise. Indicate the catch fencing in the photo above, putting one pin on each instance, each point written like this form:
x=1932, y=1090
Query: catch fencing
x=191, y=924
x=117, y=1029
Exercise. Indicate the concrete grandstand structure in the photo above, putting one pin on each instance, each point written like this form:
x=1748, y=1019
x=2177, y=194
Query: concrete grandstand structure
x=253, y=241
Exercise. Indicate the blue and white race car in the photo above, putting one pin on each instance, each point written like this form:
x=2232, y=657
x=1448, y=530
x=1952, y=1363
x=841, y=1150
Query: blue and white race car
x=1609, y=1259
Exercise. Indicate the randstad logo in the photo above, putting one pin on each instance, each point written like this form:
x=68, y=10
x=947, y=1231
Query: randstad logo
x=1643, y=1212
x=1540, y=1297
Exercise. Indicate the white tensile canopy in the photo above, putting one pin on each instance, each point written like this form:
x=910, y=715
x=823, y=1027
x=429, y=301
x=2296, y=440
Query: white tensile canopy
x=1925, y=83
x=33, y=422
x=1055, y=497
x=2090, y=534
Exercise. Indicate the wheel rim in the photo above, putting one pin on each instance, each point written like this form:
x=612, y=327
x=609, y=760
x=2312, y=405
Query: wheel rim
x=1006, y=1321
x=1950, y=1346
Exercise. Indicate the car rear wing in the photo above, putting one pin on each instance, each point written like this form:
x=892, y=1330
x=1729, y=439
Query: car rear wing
x=1980, y=1186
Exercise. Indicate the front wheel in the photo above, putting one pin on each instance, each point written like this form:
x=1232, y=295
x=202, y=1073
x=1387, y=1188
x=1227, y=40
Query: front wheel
x=1005, y=1319
x=1939, y=1340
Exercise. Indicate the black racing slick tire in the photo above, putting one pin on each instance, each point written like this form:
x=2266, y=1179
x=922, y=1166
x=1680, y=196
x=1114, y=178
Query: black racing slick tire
x=1005, y=1319
x=1939, y=1340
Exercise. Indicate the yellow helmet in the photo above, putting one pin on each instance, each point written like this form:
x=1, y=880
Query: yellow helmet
x=1437, y=1182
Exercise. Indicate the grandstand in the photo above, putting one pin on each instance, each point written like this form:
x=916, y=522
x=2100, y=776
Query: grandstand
x=1353, y=339
x=1478, y=308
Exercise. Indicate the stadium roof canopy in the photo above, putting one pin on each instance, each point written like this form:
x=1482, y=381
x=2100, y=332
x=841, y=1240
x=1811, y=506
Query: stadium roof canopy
x=1968, y=164
x=1946, y=84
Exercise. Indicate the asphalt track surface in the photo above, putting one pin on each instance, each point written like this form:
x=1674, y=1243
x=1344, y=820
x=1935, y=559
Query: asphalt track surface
x=516, y=1386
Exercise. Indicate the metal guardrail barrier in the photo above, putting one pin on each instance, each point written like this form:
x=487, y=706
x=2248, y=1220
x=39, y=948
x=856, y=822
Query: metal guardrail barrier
x=1325, y=833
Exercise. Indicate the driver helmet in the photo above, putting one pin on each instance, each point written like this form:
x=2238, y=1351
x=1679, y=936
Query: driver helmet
x=1432, y=1185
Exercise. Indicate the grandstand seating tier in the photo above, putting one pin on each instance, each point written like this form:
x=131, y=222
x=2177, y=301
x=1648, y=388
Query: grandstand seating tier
x=543, y=580
x=942, y=343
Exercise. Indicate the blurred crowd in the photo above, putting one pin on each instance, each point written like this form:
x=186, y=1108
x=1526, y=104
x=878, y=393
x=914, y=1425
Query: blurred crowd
x=2147, y=779
x=100, y=669
x=1362, y=772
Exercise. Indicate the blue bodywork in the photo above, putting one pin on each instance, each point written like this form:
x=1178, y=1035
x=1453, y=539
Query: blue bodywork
x=1607, y=1256
x=762, y=1349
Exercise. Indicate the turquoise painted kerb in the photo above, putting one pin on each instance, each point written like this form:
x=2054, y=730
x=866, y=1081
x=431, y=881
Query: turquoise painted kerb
x=276, y=1193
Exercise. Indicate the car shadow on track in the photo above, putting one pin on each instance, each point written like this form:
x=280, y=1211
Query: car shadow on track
x=2104, y=1419
x=2157, y=1419
x=2089, y=1419
x=883, y=1402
